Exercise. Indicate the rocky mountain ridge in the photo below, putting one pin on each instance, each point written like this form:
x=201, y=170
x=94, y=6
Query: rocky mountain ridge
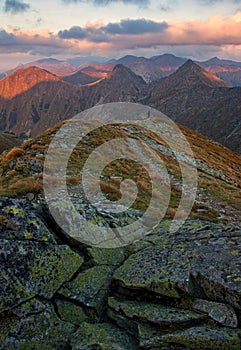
x=57, y=292
x=190, y=96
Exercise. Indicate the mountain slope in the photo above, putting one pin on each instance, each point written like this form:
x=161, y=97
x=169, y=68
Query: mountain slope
x=80, y=78
x=33, y=100
x=8, y=141
x=22, y=80
x=120, y=85
x=219, y=179
x=51, y=100
x=193, y=97
x=229, y=71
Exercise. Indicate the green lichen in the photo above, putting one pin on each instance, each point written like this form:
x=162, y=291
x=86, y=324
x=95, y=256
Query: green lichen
x=69, y=312
x=103, y=336
x=15, y=211
x=90, y=288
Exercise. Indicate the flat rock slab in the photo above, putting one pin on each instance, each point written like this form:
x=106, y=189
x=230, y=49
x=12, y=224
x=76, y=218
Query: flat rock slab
x=222, y=313
x=199, y=338
x=104, y=336
x=204, y=263
x=156, y=314
x=33, y=268
x=38, y=328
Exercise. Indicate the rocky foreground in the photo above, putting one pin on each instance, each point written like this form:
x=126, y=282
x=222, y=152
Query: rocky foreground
x=168, y=291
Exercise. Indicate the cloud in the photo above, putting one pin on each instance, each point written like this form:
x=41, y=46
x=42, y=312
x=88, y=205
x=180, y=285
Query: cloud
x=105, y=33
x=6, y=38
x=73, y=33
x=135, y=26
x=140, y=3
x=16, y=6
x=128, y=35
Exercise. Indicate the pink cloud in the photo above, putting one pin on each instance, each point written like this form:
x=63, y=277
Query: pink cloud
x=99, y=38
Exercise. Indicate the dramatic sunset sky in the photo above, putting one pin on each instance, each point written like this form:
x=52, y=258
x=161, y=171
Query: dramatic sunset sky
x=200, y=29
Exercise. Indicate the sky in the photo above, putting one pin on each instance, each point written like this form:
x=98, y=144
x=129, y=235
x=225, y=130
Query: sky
x=199, y=29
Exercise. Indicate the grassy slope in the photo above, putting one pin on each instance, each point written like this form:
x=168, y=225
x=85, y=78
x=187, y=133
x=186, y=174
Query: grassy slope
x=219, y=178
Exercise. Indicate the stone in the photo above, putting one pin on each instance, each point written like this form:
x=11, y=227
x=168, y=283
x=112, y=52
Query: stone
x=102, y=336
x=222, y=313
x=90, y=288
x=34, y=268
x=40, y=328
x=70, y=312
x=106, y=256
x=203, y=337
x=25, y=221
x=156, y=314
x=209, y=267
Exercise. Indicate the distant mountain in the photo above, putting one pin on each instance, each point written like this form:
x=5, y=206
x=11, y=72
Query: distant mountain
x=168, y=63
x=8, y=141
x=32, y=100
x=78, y=61
x=80, y=78
x=227, y=70
x=34, y=105
x=120, y=85
x=52, y=65
x=22, y=80
x=196, y=98
x=142, y=66
x=149, y=69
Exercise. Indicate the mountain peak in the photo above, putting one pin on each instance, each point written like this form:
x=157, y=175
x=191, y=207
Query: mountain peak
x=23, y=79
x=121, y=71
x=193, y=73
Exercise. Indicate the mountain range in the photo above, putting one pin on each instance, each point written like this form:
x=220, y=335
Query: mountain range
x=150, y=69
x=33, y=99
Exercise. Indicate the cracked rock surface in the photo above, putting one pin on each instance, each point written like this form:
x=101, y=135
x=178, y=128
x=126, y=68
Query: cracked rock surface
x=167, y=291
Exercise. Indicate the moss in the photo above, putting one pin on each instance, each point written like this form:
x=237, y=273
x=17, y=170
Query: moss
x=15, y=211
x=163, y=316
x=204, y=337
x=41, y=329
x=90, y=288
x=102, y=336
x=70, y=312
x=106, y=256
x=34, y=268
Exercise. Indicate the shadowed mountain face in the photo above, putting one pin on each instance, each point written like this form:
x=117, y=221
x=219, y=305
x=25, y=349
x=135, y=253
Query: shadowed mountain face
x=80, y=78
x=228, y=70
x=199, y=100
x=8, y=141
x=32, y=100
x=39, y=100
x=120, y=85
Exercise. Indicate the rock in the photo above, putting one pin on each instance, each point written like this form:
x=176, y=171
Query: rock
x=102, y=336
x=209, y=267
x=69, y=312
x=40, y=328
x=155, y=269
x=34, y=268
x=105, y=256
x=160, y=315
x=25, y=221
x=90, y=288
x=222, y=313
x=167, y=291
x=202, y=337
